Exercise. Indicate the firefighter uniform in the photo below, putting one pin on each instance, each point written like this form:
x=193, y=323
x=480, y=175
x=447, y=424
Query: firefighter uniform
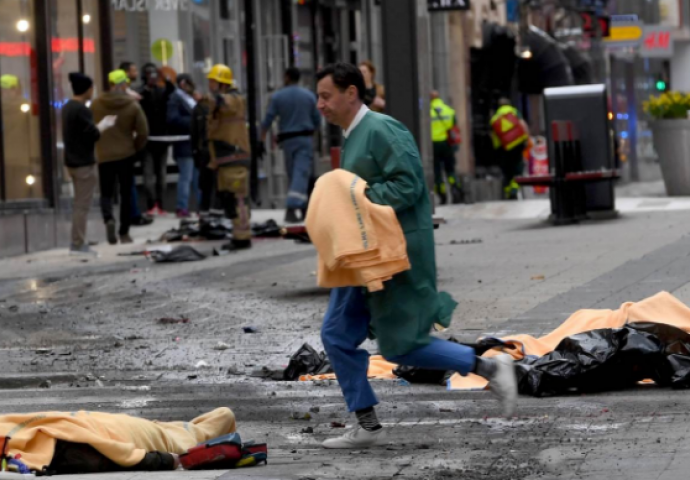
x=509, y=137
x=230, y=153
x=443, y=120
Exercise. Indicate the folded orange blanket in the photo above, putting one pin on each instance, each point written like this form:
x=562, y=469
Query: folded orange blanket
x=359, y=242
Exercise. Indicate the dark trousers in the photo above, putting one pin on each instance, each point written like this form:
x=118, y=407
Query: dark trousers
x=155, y=173
x=512, y=164
x=444, y=161
x=207, y=185
x=76, y=458
x=110, y=174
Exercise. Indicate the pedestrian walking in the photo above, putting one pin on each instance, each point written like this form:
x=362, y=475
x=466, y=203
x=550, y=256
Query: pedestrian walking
x=443, y=121
x=154, y=102
x=510, y=134
x=139, y=219
x=116, y=152
x=382, y=152
x=230, y=152
x=375, y=94
x=202, y=156
x=79, y=136
x=299, y=118
x=180, y=111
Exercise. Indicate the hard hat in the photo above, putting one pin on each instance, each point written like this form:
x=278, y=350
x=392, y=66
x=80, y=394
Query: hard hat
x=8, y=81
x=221, y=73
x=116, y=77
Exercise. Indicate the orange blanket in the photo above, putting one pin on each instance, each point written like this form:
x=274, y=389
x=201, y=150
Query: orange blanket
x=359, y=243
x=661, y=308
x=123, y=439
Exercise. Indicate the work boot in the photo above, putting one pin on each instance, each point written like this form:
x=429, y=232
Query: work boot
x=291, y=216
x=358, y=438
x=124, y=239
x=110, y=232
x=504, y=384
x=142, y=221
x=232, y=247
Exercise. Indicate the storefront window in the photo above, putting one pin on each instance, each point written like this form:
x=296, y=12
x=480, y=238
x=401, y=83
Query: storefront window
x=20, y=162
x=179, y=35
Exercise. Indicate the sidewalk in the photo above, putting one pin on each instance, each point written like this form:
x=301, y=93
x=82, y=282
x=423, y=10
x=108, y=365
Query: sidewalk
x=99, y=321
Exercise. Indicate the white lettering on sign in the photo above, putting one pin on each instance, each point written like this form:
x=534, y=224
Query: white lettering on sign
x=147, y=5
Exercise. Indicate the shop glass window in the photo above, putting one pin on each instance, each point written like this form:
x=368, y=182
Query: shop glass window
x=20, y=162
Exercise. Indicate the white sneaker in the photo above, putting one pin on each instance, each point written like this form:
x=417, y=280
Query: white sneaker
x=358, y=438
x=84, y=250
x=504, y=384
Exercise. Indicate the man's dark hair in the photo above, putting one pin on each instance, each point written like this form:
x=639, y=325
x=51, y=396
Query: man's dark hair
x=126, y=66
x=185, y=77
x=344, y=75
x=293, y=74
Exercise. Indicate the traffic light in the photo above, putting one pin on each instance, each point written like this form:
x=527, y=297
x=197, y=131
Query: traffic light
x=661, y=85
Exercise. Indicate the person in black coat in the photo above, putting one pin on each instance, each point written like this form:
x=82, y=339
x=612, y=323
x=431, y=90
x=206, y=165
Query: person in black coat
x=154, y=102
x=180, y=109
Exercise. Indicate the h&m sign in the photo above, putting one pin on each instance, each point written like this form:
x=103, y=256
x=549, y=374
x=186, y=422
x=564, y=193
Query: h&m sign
x=447, y=5
x=148, y=5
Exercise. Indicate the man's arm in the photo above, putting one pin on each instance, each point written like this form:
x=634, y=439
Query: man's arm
x=141, y=128
x=397, y=156
x=89, y=129
x=271, y=114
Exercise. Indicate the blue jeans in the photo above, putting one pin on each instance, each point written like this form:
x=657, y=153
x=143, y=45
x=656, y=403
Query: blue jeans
x=187, y=181
x=345, y=328
x=299, y=156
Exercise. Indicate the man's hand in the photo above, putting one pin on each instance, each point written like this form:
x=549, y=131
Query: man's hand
x=379, y=103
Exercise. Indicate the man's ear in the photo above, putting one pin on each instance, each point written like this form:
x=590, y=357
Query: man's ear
x=352, y=92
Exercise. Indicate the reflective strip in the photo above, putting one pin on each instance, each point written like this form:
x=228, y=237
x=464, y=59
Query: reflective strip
x=299, y=195
x=170, y=138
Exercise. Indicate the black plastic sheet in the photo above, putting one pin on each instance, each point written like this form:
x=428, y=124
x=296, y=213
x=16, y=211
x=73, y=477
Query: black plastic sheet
x=181, y=254
x=307, y=361
x=610, y=359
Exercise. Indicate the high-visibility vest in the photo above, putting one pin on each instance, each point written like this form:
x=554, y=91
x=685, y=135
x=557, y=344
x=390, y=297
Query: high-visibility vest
x=506, y=128
x=442, y=120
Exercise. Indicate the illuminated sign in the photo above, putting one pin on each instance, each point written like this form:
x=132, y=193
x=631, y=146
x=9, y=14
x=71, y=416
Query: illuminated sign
x=657, y=41
x=147, y=5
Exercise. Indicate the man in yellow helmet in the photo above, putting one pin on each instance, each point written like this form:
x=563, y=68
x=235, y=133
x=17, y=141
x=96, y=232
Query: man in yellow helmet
x=509, y=133
x=442, y=121
x=229, y=154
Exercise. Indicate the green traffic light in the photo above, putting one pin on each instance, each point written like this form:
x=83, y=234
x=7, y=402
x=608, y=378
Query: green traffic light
x=660, y=85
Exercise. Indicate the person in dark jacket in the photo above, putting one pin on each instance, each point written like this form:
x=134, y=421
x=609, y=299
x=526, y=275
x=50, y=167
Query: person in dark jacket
x=202, y=157
x=180, y=109
x=80, y=134
x=154, y=102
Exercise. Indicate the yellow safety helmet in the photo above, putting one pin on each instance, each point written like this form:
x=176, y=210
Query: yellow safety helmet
x=221, y=74
x=8, y=81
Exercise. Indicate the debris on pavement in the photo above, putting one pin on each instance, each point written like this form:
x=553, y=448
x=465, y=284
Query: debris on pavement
x=337, y=425
x=307, y=361
x=221, y=346
x=472, y=241
x=538, y=277
x=234, y=371
x=201, y=364
x=184, y=253
x=300, y=416
x=250, y=329
x=307, y=430
x=172, y=321
x=45, y=384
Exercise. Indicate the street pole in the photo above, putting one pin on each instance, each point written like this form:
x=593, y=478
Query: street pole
x=249, y=29
x=407, y=69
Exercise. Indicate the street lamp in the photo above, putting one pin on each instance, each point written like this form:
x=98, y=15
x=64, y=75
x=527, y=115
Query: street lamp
x=86, y=19
x=23, y=25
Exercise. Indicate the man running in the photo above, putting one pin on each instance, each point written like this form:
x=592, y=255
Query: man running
x=383, y=152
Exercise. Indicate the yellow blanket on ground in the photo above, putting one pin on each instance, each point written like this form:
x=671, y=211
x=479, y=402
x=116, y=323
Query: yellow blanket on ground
x=123, y=439
x=359, y=242
x=661, y=308
x=379, y=368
